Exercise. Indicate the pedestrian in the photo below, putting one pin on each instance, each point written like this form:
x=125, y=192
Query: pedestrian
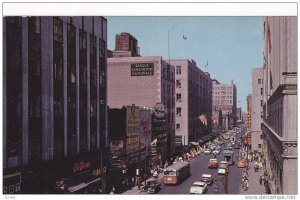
x=260, y=180
x=247, y=184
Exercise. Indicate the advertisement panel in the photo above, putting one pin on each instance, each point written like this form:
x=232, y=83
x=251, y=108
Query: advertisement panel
x=146, y=132
x=159, y=123
x=133, y=128
x=117, y=147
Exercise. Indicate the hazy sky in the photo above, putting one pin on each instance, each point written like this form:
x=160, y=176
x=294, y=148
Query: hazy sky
x=232, y=46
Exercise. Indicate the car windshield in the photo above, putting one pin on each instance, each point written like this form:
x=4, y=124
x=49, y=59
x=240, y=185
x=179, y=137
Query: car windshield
x=170, y=173
x=198, y=185
x=223, y=166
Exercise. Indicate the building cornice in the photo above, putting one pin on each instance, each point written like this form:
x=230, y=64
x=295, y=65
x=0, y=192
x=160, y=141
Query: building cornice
x=283, y=89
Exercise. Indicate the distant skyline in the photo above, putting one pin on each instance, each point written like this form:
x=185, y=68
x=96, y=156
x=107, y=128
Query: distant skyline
x=231, y=46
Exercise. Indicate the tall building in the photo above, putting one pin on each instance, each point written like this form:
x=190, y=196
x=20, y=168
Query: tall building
x=256, y=108
x=224, y=99
x=144, y=81
x=280, y=103
x=193, y=99
x=54, y=107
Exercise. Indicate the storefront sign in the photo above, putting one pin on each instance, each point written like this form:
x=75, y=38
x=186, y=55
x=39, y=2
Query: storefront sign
x=142, y=69
x=12, y=183
x=99, y=171
x=81, y=166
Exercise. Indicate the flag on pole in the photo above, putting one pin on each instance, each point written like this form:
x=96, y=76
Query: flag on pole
x=203, y=119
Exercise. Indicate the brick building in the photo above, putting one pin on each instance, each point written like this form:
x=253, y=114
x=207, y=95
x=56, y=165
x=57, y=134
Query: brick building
x=193, y=99
x=143, y=81
x=224, y=98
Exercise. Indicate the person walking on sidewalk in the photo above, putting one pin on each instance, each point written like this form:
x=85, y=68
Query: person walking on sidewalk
x=260, y=180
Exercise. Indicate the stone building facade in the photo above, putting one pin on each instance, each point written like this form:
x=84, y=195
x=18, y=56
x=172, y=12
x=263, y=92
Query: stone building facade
x=279, y=125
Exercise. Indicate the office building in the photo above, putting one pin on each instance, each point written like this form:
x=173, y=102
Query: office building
x=54, y=102
x=256, y=108
x=224, y=100
x=193, y=99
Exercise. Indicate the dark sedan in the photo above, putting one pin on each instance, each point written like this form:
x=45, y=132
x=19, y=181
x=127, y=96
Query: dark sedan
x=153, y=187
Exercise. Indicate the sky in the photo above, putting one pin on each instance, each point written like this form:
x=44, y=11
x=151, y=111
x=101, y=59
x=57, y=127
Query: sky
x=231, y=46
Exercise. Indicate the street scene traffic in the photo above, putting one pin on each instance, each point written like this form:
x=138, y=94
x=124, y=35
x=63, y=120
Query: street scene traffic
x=211, y=170
x=149, y=105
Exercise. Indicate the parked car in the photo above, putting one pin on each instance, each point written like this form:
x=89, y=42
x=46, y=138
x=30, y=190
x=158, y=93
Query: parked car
x=207, y=178
x=241, y=163
x=198, y=188
x=223, y=168
x=153, y=186
x=213, y=163
x=207, y=151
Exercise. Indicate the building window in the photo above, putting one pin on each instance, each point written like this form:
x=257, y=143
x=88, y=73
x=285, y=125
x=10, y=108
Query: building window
x=168, y=89
x=101, y=79
x=35, y=106
x=178, y=126
x=58, y=68
x=82, y=40
x=259, y=146
x=259, y=81
x=261, y=91
x=168, y=72
x=178, y=111
x=102, y=49
x=178, y=83
x=261, y=103
x=83, y=75
x=57, y=29
x=168, y=103
x=58, y=108
x=178, y=97
x=178, y=69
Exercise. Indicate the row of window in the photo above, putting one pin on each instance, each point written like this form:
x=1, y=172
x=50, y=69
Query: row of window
x=170, y=89
x=167, y=73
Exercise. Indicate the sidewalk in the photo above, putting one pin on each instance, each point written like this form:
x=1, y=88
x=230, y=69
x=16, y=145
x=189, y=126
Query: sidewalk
x=254, y=185
x=135, y=190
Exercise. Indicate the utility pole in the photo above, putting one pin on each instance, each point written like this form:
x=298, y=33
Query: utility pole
x=226, y=184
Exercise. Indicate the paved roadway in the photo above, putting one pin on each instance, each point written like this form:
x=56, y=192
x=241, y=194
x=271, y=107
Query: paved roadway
x=199, y=167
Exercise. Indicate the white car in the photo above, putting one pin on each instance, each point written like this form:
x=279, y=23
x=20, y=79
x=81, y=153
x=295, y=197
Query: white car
x=198, y=188
x=223, y=168
x=216, y=151
x=207, y=151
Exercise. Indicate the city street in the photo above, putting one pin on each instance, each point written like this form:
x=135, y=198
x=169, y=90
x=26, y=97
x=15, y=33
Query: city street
x=199, y=167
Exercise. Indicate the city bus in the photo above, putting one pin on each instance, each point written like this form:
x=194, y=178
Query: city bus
x=176, y=173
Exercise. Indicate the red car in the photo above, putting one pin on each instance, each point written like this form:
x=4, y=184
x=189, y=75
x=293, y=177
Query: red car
x=241, y=163
x=213, y=163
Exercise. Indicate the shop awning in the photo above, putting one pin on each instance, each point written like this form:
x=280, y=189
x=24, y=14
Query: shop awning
x=194, y=143
x=77, y=182
x=77, y=187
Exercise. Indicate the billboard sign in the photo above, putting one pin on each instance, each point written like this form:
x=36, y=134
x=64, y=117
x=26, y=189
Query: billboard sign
x=142, y=69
